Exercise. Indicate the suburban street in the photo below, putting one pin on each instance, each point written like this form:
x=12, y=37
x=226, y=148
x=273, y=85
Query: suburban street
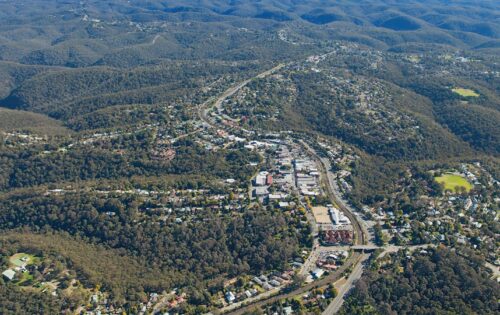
x=362, y=240
x=335, y=276
x=209, y=104
x=270, y=157
x=361, y=233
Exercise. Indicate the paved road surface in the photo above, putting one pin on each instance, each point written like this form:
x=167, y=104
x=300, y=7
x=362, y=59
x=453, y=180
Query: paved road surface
x=331, y=278
x=494, y=269
x=268, y=298
x=154, y=40
x=359, y=232
x=205, y=108
x=355, y=275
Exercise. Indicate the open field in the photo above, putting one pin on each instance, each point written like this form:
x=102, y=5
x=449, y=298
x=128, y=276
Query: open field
x=414, y=58
x=451, y=181
x=24, y=277
x=465, y=92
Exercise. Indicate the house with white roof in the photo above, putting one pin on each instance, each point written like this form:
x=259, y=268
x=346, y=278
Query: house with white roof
x=9, y=274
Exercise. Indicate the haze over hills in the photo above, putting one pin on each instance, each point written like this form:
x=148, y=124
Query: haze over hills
x=249, y=157
x=73, y=33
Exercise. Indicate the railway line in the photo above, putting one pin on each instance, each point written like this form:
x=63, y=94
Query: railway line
x=338, y=274
x=359, y=231
x=360, y=235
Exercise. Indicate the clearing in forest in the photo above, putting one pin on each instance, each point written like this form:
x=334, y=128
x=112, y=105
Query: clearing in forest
x=22, y=259
x=452, y=182
x=465, y=92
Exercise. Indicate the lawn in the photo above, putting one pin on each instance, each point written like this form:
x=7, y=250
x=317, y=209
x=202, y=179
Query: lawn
x=24, y=277
x=465, y=92
x=17, y=261
x=451, y=181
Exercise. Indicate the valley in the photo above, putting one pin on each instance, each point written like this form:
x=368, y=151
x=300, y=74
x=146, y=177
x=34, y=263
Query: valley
x=249, y=157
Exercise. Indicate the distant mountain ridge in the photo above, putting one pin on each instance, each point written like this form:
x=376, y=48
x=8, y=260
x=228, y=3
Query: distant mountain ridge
x=74, y=34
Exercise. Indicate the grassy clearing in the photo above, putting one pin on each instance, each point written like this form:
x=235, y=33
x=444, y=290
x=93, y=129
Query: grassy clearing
x=414, y=58
x=24, y=277
x=465, y=92
x=452, y=182
x=21, y=259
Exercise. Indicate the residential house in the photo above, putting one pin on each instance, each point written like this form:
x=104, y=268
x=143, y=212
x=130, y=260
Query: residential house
x=9, y=274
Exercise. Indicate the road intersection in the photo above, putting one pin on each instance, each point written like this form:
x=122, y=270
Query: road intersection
x=362, y=240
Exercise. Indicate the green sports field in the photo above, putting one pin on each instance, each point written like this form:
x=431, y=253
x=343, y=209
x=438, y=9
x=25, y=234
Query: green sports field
x=451, y=181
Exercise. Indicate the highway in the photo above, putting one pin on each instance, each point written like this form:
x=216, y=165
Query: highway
x=208, y=105
x=354, y=261
x=360, y=230
x=355, y=275
x=331, y=278
x=362, y=239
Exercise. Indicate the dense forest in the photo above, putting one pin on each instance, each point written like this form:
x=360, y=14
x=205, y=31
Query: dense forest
x=29, y=168
x=123, y=33
x=186, y=254
x=440, y=282
x=17, y=301
x=72, y=93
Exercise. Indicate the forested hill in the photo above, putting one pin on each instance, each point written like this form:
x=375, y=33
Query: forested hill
x=127, y=33
x=162, y=156
x=440, y=282
x=75, y=92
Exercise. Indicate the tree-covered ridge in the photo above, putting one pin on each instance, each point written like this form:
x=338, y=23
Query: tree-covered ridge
x=89, y=264
x=380, y=122
x=378, y=117
x=125, y=34
x=17, y=301
x=439, y=282
x=166, y=152
x=13, y=74
x=192, y=255
x=72, y=93
x=396, y=105
x=31, y=167
x=16, y=120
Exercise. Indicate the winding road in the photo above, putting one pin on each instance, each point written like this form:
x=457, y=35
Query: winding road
x=217, y=102
x=354, y=261
x=354, y=264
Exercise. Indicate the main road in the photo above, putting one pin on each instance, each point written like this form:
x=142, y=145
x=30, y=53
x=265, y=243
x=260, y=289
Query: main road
x=360, y=231
x=338, y=274
x=354, y=276
x=356, y=259
x=354, y=263
x=217, y=102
